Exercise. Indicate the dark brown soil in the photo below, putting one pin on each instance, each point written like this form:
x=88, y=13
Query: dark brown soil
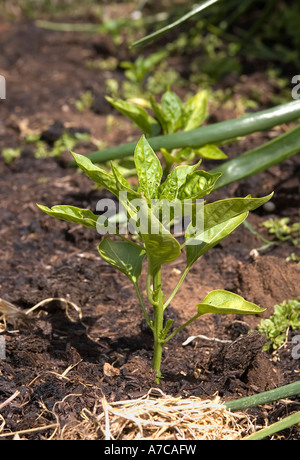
x=44, y=258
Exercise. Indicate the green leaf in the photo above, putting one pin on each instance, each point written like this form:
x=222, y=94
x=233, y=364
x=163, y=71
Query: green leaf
x=153, y=59
x=148, y=168
x=124, y=256
x=211, y=152
x=72, y=214
x=161, y=248
x=170, y=187
x=98, y=175
x=221, y=210
x=172, y=111
x=197, y=185
x=195, y=111
x=220, y=219
x=220, y=301
x=211, y=237
x=123, y=184
x=157, y=109
x=137, y=114
x=169, y=113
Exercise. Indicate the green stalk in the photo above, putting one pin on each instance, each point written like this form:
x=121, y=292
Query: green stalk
x=266, y=397
x=158, y=33
x=182, y=278
x=182, y=327
x=259, y=159
x=158, y=324
x=286, y=391
x=141, y=300
x=275, y=427
x=212, y=134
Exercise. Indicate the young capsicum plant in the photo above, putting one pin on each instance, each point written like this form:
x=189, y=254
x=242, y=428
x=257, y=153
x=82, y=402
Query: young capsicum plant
x=155, y=244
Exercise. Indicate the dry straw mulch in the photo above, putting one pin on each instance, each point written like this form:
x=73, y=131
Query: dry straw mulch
x=157, y=416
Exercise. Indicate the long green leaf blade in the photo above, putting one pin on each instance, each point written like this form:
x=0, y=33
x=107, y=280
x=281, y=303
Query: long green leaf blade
x=143, y=41
x=216, y=133
x=281, y=425
x=259, y=159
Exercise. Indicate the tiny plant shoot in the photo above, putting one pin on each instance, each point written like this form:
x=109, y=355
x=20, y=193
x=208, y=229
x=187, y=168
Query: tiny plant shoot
x=181, y=193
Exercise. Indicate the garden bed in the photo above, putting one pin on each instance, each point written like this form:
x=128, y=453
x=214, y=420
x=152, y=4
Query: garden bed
x=66, y=361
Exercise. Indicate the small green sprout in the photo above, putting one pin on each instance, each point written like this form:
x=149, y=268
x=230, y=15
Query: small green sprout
x=283, y=230
x=155, y=210
x=10, y=154
x=286, y=316
x=85, y=102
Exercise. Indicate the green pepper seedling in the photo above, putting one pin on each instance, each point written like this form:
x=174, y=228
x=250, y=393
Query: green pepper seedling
x=154, y=243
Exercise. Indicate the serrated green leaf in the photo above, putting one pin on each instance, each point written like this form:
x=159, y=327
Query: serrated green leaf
x=124, y=256
x=221, y=302
x=148, y=168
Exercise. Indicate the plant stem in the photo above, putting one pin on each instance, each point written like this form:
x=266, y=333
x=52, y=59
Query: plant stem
x=141, y=300
x=149, y=293
x=182, y=327
x=275, y=427
x=186, y=270
x=158, y=324
x=286, y=391
x=214, y=133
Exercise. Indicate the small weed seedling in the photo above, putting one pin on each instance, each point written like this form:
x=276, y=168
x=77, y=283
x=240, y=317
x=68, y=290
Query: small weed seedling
x=283, y=230
x=155, y=211
x=286, y=316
